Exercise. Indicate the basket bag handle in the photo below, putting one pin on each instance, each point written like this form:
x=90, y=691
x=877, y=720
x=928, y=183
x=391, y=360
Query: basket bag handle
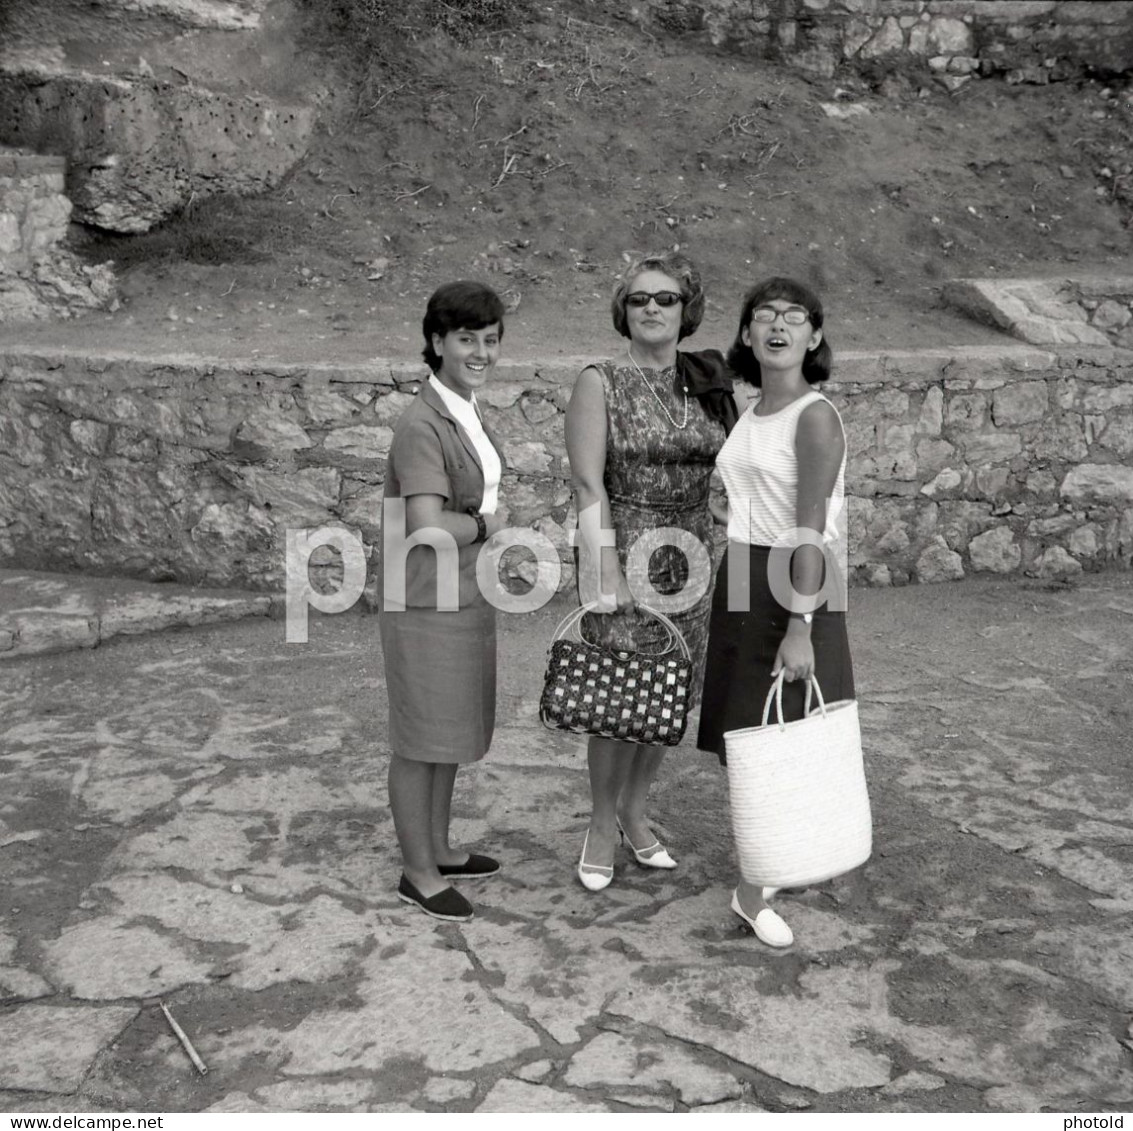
x=776, y=693
x=573, y=620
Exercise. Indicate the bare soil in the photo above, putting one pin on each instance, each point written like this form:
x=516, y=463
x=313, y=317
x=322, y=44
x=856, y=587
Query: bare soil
x=540, y=157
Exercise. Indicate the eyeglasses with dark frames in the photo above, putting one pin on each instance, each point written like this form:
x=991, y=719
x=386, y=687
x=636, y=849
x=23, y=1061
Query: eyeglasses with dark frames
x=661, y=298
x=793, y=315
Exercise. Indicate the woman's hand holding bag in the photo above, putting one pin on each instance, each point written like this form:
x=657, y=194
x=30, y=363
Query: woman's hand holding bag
x=797, y=792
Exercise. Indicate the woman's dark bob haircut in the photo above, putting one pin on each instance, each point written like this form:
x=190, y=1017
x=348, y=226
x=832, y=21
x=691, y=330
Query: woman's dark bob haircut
x=817, y=362
x=676, y=266
x=464, y=305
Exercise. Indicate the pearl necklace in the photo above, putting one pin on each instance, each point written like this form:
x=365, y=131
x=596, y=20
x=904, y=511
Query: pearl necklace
x=657, y=395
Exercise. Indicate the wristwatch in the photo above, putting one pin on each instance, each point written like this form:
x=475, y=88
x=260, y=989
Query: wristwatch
x=806, y=618
x=481, y=526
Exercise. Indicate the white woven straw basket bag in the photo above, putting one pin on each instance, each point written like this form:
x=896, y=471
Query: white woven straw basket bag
x=800, y=808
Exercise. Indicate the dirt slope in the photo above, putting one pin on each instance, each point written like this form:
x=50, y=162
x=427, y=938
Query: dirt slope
x=538, y=157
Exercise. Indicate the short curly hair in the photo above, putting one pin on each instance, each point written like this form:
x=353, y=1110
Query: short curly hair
x=817, y=362
x=676, y=266
x=463, y=305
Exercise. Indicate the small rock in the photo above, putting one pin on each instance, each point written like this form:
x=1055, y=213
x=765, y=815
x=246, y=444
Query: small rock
x=837, y=110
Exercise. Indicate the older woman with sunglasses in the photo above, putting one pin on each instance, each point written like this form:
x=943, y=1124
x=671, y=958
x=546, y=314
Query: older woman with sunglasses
x=642, y=433
x=784, y=467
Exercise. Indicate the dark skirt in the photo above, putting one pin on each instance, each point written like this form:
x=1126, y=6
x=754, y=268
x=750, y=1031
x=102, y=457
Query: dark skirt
x=741, y=651
x=441, y=681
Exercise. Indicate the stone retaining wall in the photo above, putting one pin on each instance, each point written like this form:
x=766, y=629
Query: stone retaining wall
x=1035, y=41
x=1002, y=460
x=38, y=277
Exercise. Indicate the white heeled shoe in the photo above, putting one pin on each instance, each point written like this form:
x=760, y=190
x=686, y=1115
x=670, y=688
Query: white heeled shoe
x=769, y=928
x=597, y=876
x=655, y=855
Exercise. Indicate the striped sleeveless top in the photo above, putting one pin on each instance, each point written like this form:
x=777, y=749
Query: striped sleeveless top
x=761, y=473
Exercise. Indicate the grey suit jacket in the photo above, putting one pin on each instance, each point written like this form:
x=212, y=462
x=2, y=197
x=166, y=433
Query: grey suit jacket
x=431, y=454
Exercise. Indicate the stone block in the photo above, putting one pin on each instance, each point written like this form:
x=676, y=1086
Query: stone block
x=939, y=563
x=1083, y=543
x=500, y=394
x=1061, y=440
x=37, y=632
x=1093, y=427
x=538, y=411
x=981, y=448
x=934, y=455
x=1020, y=403
x=364, y=510
x=894, y=541
x=967, y=411
x=11, y=240
x=891, y=402
x=527, y=458
x=995, y=551
x=1104, y=398
x=388, y=408
x=878, y=576
x=1112, y=316
x=992, y=481
x=931, y=418
x=856, y=35
x=894, y=439
x=1043, y=331
x=330, y=408
x=1104, y=483
x=1055, y=562
x=22, y=436
x=361, y=441
x=294, y=498
x=237, y=527
x=948, y=480
x=1055, y=525
x=949, y=36
x=266, y=434
x=132, y=444
x=886, y=41
x=90, y=436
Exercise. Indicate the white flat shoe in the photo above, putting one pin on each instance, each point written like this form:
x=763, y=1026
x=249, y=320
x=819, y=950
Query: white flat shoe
x=769, y=928
x=655, y=856
x=596, y=877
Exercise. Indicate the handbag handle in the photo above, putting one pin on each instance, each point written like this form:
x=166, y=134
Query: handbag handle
x=776, y=693
x=573, y=619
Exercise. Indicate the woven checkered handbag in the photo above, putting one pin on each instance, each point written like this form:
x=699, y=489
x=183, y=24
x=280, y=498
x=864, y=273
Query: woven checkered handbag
x=630, y=696
x=797, y=792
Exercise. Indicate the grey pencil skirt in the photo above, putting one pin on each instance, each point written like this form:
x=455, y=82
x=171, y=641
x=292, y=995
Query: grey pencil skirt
x=441, y=681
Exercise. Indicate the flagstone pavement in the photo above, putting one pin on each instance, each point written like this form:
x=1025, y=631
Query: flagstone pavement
x=195, y=813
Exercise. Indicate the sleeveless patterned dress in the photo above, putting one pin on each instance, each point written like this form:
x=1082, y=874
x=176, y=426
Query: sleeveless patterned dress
x=657, y=476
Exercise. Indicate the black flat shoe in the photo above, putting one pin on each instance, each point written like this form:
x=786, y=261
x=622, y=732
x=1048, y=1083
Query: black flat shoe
x=448, y=904
x=474, y=867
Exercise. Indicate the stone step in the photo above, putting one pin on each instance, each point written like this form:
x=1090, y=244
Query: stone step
x=57, y=612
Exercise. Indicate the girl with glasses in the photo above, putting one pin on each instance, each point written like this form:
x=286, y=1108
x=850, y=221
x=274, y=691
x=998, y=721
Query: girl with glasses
x=642, y=432
x=783, y=467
